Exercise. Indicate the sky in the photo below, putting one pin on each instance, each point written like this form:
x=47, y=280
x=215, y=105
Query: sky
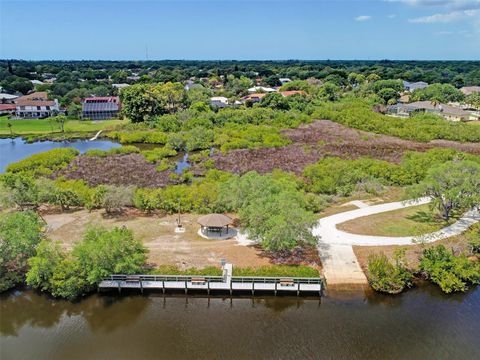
x=240, y=29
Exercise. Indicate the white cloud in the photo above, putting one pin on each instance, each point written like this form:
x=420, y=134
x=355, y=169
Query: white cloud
x=392, y=16
x=450, y=4
x=362, y=18
x=446, y=17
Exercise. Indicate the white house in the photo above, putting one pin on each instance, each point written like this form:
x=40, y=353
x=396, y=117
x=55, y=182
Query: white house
x=219, y=101
x=285, y=80
x=7, y=98
x=260, y=89
x=35, y=106
x=408, y=86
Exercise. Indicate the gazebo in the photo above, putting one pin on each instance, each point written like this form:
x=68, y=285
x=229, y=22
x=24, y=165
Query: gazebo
x=214, y=225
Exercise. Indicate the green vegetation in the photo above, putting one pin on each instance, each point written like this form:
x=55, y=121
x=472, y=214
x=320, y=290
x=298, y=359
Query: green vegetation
x=44, y=163
x=270, y=209
x=386, y=277
x=114, y=151
x=277, y=271
x=439, y=93
x=451, y=273
x=358, y=114
x=20, y=233
x=100, y=254
x=175, y=270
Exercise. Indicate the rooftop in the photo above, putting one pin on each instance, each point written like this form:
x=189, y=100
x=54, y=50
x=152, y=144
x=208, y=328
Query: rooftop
x=214, y=220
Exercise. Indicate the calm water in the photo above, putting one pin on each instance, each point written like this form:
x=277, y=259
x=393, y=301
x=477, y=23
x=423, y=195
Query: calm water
x=420, y=324
x=13, y=150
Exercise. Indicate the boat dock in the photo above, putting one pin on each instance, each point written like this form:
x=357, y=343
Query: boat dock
x=209, y=284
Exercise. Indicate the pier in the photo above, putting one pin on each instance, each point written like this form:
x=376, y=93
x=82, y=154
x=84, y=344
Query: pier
x=227, y=283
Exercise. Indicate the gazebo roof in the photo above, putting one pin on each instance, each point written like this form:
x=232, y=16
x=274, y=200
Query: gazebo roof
x=214, y=220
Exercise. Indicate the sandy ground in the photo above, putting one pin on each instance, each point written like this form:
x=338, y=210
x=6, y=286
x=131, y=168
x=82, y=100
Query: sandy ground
x=157, y=233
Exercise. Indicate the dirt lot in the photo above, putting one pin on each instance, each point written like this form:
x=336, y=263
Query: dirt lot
x=157, y=233
x=326, y=138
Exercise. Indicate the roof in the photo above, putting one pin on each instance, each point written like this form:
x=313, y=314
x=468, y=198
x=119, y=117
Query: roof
x=103, y=99
x=442, y=108
x=7, y=96
x=38, y=95
x=468, y=90
x=100, y=106
x=214, y=220
x=219, y=98
x=293, y=92
x=254, y=96
x=260, y=88
x=39, y=98
x=4, y=107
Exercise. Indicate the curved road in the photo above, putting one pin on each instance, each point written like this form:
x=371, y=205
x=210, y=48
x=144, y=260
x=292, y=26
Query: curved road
x=335, y=246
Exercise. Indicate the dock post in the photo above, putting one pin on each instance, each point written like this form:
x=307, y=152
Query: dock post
x=119, y=287
x=141, y=286
x=163, y=287
x=230, y=287
x=298, y=289
x=253, y=288
x=208, y=287
x=186, y=287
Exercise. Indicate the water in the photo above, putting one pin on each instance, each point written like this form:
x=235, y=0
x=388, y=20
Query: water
x=13, y=150
x=182, y=164
x=420, y=324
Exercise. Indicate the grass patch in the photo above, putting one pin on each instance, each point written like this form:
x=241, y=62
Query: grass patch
x=47, y=126
x=277, y=271
x=411, y=221
x=174, y=270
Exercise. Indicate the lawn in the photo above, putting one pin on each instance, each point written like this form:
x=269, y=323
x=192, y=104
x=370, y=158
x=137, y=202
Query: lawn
x=47, y=126
x=411, y=221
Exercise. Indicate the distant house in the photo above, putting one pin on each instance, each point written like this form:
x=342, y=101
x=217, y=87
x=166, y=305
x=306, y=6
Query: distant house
x=469, y=90
x=7, y=98
x=35, y=106
x=7, y=109
x=219, y=101
x=288, y=93
x=100, y=107
x=120, y=86
x=285, y=80
x=36, y=82
x=448, y=112
x=260, y=89
x=253, y=98
x=412, y=86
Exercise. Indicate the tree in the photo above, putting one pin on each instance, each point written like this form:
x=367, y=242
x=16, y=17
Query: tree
x=61, y=120
x=452, y=186
x=329, y=91
x=20, y=232
x=441, y=92
x=139, y=102
x=275, y=101
x=22, y=190
x=116, y=197
x=43, y=264
x=473, y=100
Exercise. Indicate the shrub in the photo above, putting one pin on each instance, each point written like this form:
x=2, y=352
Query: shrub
x=386, y=277
x=277, y=271
x=129, y=149
x=157, y=154
x=44, y=163
x=451, y=273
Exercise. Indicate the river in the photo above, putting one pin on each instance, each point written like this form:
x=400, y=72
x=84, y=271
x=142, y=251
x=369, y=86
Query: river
x=422, y=323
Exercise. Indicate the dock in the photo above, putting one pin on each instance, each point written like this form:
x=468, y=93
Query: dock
x=227, y=283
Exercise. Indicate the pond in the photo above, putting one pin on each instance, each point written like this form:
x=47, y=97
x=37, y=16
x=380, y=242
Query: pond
x=422, y=323
x=13, y=150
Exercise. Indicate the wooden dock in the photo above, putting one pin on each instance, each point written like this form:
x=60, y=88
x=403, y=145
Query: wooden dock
x=210, y=284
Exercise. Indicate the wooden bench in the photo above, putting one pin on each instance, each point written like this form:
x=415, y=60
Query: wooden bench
x=132, y=278
x=287, y=282
x=198, y=281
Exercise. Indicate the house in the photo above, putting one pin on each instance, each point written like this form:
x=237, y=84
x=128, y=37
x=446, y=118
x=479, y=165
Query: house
x=219, y=101
x=288, y=93
x=100, y=107
x=36, y=82
x=260, y=89
x=35, y=106
x=7, y=98
x=284, y=80
x=120, y=86
x=7, y=109
x=253, y=98
x=448, y=112
x=469, y=90
x=408, y=86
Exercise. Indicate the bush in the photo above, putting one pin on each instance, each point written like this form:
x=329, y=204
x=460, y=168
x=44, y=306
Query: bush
x=20, y=232
x=174, y=270
x=129, y=149
x=44, y=163
x=386, y=277
x=451, y=273
x=277, y=271
x=157, y=154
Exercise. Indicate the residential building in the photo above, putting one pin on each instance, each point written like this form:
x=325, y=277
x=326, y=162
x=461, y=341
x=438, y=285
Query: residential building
x=120, y=86
x=469, y=90
x=448, y=112
x=285, y=80
x=253, y=98
x=219, y=101
x=408, y=86
x=260, y=89
x=100, y=107
x=35, y=106
x=7, y=109
x=7, y=98
x=288, y=93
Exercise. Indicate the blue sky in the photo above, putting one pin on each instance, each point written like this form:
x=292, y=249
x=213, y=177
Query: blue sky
x=246, y=29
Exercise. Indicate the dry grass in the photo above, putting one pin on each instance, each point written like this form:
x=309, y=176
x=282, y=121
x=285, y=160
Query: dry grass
x=157, y=233
x=411, y=221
